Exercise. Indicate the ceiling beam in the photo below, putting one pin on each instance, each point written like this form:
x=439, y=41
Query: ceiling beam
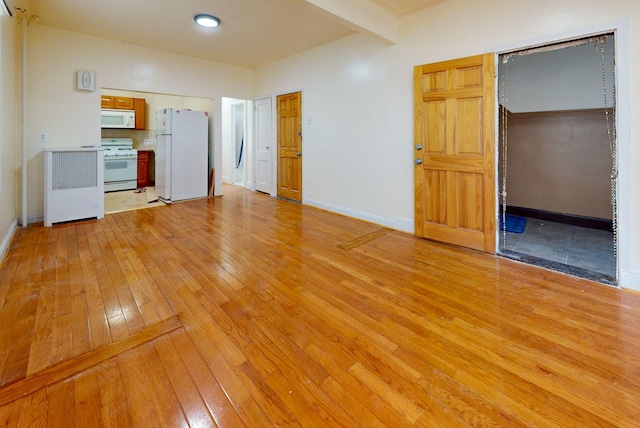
x=363, y=16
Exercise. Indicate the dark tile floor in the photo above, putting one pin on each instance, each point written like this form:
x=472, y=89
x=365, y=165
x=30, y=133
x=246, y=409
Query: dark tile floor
x=575, y=250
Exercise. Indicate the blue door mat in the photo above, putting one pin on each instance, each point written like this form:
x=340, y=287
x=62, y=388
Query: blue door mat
x=513, y=224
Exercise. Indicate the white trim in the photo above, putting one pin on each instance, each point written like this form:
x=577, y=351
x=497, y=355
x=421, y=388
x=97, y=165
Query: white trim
x=562, y=37
x=397, y=223
x=36, y=218
x=25, y=128
x=4, y=247
x=626, y=278
x=623, y=131
x=7, y=7
x=631, y=280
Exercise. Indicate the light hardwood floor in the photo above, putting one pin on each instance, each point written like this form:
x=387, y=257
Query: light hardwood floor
x=247, y=310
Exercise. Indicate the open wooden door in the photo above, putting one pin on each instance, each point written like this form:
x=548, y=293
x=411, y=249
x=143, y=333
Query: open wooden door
x=290, y=146
x=454, y=152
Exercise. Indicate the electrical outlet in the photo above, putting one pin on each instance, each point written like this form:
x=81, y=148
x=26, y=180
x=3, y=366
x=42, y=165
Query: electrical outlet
x=43, y=137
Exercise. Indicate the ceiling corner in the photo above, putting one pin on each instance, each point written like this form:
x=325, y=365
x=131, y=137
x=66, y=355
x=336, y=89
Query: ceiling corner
x=363, y=16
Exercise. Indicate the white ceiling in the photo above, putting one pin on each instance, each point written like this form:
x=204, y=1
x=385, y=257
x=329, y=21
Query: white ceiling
x=253, y=32
x=403, y=7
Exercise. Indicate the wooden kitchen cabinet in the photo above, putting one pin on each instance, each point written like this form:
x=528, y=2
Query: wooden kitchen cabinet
x=145, y=168
x=123, y=103
x=140, y=107
x=111, y=101
x=107, y=101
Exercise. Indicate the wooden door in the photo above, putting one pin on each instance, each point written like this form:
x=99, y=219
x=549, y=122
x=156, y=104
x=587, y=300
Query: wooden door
x=264, y=172
x=454, y=152
x=290, y=146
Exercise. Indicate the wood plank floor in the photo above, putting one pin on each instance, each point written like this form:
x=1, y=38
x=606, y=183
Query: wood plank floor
x=278, y=326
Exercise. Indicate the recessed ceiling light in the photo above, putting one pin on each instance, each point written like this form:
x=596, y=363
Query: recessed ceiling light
x=208, y=21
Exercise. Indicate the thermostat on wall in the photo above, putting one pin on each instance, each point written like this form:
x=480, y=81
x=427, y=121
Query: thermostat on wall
x=86, y=80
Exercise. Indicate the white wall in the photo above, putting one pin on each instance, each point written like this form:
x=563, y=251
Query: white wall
x=357, y=151
x=564, y=79
x=354, y=145
x=9, y=136
x=72, y=118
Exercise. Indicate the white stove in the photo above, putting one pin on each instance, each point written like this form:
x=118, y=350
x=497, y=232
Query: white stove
x=121, y=154
x=120, y=164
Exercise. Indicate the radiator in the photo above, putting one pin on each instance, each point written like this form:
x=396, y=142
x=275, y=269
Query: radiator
x=73, y=184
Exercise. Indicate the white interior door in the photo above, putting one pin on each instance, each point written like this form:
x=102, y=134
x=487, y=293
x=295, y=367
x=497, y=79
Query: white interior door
x=264, y=162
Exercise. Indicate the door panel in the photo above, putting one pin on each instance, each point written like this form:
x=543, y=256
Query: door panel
x=290, y=146
x=454, y=152
x=264, y=175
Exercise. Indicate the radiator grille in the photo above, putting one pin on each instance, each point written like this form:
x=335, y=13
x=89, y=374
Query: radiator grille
x=74, y=170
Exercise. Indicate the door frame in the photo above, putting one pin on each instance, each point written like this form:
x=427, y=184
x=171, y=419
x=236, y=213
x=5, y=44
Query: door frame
x=620, y=30
x=274, y=127
x=233, y=115
x=255, y=141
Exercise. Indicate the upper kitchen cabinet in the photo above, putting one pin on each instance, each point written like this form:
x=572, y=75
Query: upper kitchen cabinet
x=124, y=103
x=140, y=107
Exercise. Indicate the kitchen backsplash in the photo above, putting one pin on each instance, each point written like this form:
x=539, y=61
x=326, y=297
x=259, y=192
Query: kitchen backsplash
x=142, y=139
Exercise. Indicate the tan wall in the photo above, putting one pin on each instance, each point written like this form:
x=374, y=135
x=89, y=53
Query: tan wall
x=9, y=129
x=560, y=162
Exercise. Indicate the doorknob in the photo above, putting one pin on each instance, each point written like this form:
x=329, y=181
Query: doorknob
x=419, y=147
x=298, y=154
x=418, y=161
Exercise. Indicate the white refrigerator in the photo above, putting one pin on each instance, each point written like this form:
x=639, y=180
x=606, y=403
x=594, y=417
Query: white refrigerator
x=182, y=142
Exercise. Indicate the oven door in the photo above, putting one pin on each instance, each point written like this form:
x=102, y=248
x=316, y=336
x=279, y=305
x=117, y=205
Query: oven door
x=120, y=169
x=120, y=174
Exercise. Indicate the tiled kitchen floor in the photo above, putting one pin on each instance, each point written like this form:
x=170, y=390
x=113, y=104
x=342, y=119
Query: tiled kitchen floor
x=127, y=200
x=575, y=250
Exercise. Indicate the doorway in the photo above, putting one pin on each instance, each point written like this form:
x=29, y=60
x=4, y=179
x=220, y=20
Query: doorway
x=143, y=139
x=557, y=157
x=289, y=110
x=235, y=147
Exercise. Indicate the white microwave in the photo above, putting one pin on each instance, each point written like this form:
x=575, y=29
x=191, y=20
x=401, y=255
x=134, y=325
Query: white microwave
x=111, y=118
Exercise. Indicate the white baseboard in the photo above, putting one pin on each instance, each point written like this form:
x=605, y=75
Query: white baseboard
x=630, y=280
x=397, y=223
x=4, y=247
x=36, y=219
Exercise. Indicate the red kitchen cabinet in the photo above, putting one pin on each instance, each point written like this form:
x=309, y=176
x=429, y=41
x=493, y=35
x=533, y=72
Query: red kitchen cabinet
x=143, y=168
